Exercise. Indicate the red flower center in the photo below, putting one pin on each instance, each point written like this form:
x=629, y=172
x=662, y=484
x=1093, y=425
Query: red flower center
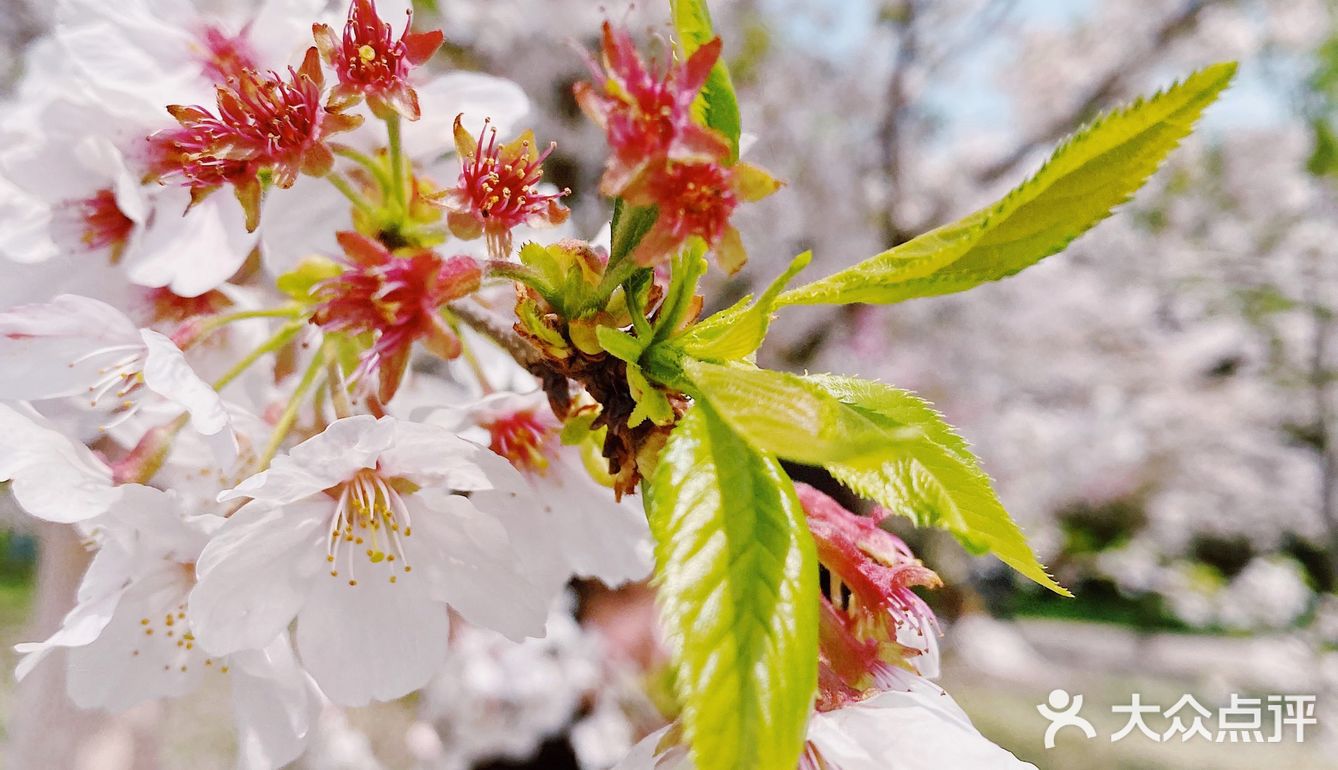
x=395, y=297
x=525, y=438
x=503, y=186
x=695, y=199
x=226, y=56
x=370, y=56
x=101, y=223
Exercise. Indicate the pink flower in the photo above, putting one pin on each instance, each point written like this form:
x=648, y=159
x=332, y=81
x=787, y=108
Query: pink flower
x=647, y=115
x=372, y=63
x=869, y=612
x=262, y=123
x=396, y=296
x=227, y=56
x=698, y=200
x=499, y=189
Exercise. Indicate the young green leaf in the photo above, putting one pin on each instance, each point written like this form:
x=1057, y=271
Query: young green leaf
x=785, y=415
x=1090, y=174
x=738, y=331
x=738, y=592
x=629, y=225
x=717, y=107
x=935, y=481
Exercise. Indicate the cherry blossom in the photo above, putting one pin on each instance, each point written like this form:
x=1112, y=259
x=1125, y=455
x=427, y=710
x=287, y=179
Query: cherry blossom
x=372, y=64
x=76, y=347
x=646, y=113
x=398, y=297
x=499, y=189
x=596, y=535
x=129, y=638
x=363, y=535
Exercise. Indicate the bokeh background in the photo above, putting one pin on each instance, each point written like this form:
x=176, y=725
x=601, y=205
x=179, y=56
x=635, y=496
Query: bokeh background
x=1159, y=405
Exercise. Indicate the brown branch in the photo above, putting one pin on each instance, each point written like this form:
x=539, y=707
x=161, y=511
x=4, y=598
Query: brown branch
x=500, y=331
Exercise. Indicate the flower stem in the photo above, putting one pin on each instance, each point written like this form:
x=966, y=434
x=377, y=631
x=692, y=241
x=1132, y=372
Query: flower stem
x=289, y=416
x=501, y=268
x=210, y=325
x=356, y=198
x=616, y=276
x=373, y=167
x=397, y=163
x=280, y=338
x=334, y=378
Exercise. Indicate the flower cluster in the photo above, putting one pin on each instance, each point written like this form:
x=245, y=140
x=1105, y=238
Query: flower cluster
x=662, y=156
x=383, y=402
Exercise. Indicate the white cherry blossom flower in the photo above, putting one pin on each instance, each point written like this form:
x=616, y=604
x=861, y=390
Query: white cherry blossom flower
x=596, y=535
x=51, y=477
x=129, y=638
x=77, y=346
x=914, y=726
x=365, y=534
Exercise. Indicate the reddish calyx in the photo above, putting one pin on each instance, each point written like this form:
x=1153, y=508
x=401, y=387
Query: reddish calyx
x=646, y=114
x=397, y=297
x=498, y=189
x=868, y=600
x=263, y=122
x=372, y=63
x=525, y=438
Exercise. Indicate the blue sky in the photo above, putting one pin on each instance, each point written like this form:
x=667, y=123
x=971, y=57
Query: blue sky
x=1259, y=98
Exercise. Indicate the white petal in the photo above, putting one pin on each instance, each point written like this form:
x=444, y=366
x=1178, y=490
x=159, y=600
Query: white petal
x=476, y=95
x=920, y=728
x=600, y=537
x=125, y=665
x=275, y=706
x=151, y=523
x=98, y=599
x=302, y=221
x=45, y=348
x=372, y=641
x=345, y=446
x=645, y=755
x=25, y=223
x=255, y=574
x=167, y=374
x=434, y=456
x=322, y=461
x=470, y=563
x=278, y=25
x=52, y=477
x=190, y=252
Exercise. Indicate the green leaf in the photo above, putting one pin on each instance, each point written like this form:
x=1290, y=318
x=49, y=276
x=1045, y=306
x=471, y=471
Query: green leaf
x=717, y=107
x=301, y=281
x=738, y=594
x=784, y=414
x=935, y=481
x=738, y=331
x=1090, y=174
x=629, y=226
x=686, y=272
x=619, y=344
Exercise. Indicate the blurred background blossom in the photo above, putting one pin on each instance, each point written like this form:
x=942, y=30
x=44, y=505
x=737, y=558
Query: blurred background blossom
x=1159, y=405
